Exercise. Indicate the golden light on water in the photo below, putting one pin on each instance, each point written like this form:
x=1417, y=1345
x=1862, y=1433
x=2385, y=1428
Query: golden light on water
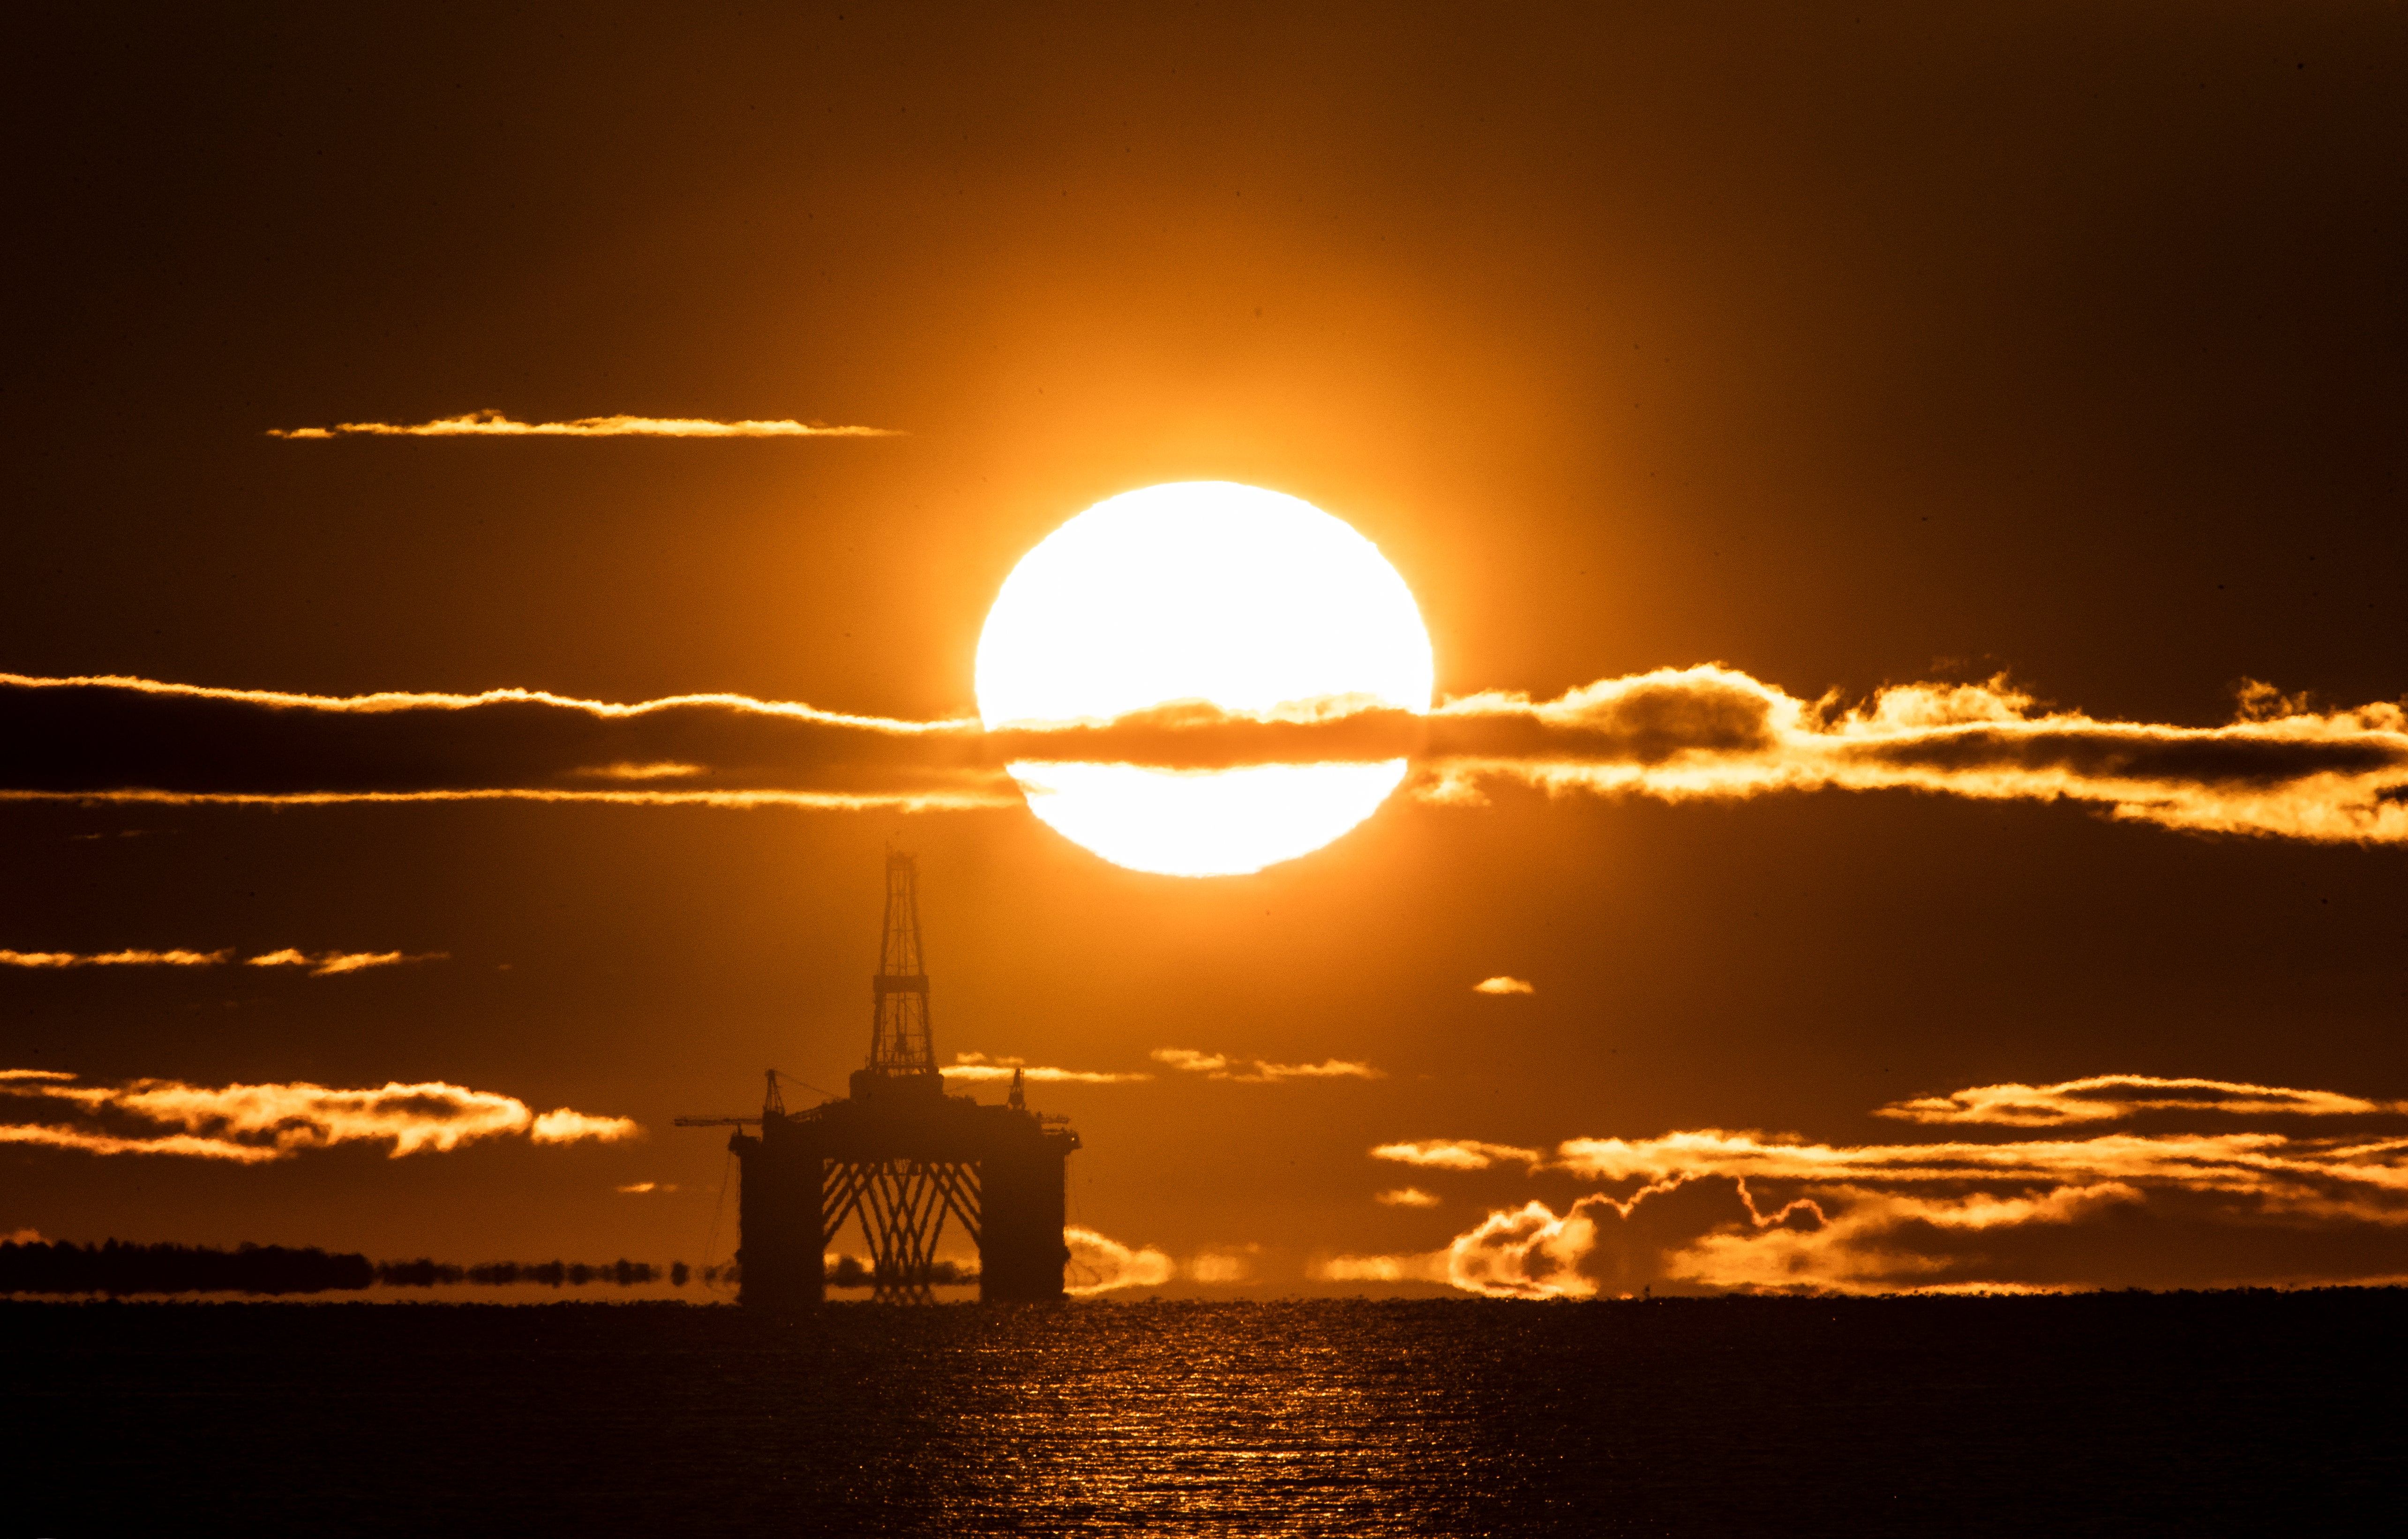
x=1208, y=590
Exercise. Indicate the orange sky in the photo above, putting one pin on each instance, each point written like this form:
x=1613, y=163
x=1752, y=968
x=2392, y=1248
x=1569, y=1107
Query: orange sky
x=1845, y=350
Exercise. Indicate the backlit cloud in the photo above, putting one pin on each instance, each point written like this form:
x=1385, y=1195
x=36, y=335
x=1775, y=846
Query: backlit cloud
x=1709, y=1208
x=1223, y=1264
x=326, y=964
x=493, y=424
x=972, y=1068
x=1255, y=1071
x=1100, y=1264
x=319, y=965
x=112, y=959
x=1405, y=1197
x=1503, y=985
x=1456, y=1154
x=2108, y=1097
x=251, y=1124
x=139, y=740
x=2281, y=768
x=1429, y=1266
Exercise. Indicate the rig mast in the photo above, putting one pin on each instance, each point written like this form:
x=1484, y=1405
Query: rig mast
x=898, y=1021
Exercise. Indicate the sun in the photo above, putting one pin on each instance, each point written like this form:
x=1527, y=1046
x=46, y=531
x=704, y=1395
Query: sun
x=1200, y=591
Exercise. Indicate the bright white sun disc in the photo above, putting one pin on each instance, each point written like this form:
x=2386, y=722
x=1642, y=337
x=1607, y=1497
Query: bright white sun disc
x=1200, y=591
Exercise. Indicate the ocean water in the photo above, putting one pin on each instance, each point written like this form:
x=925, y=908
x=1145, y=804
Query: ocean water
x=2200, y=1414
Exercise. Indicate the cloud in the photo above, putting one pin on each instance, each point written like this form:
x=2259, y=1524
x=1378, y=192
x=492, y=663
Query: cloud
x=1456, y=1154
x=326, y=964
x=333, y=963
x=1223, y=1264
x=1260, y=1071
x=493, y=424
x=563, y=1126
x=1099, y=1264
x=2279, y=769
x=663, y=771
x=976, y=1067
x=1429, y=1266
x=321, y=965
x=1527, y=1252
x=2270, y=1164
x=253, y=1125
x=130, y=739
x=101, y=1143
x=637, y=1188
x=1405, y=1197
x=1714, y=1209
x=2119, y=1097
x=112, y=959
x=1503, y=985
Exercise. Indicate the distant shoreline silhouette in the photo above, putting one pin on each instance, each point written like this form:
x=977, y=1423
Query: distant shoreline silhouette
x=116, y=1267
x=119, y=1267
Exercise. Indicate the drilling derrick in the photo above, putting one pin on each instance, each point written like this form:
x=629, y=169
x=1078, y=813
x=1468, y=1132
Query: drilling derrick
x=898, y=1023
x=901, y=1158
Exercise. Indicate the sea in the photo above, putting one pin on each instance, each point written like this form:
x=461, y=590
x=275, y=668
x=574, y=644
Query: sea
x=2203, y=1414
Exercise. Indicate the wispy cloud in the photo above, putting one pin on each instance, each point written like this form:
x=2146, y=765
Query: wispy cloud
x=326, y=964
x=112, y=959
x=2117, y=1097
x=638, y=1189
x=1100, y=1264
x=320, y=964
x=251, y=1124
x=664, y=771
x=1719, y=1209
x=1425, y=1266
x=1503, y=985
x=1456, y=1154
x=972, y=1068
x=1223, y=1264
x=1256, y=1070
x=2281, y=768
x=1405, y=1197
x=494, y=425
x=563, y=1126
x=182, y=1144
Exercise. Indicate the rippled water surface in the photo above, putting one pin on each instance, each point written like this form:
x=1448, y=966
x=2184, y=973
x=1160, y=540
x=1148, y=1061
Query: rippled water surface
x=2201, y=1414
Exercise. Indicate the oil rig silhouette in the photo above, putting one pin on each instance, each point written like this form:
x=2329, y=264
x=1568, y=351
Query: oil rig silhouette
x=900, y=1156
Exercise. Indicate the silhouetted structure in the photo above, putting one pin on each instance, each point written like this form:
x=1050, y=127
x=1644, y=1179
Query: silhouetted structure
x=902, y=1157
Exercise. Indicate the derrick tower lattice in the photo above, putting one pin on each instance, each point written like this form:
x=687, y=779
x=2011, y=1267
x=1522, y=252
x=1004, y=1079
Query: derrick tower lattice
x=899, y=1043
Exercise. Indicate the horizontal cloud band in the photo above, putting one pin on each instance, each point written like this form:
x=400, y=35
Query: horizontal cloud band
x=321, y=965
x=2280, y=768
x=253, y=1124
x=493, y=424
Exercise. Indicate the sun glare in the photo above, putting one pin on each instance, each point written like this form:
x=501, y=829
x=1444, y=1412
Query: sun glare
x=1200, y=591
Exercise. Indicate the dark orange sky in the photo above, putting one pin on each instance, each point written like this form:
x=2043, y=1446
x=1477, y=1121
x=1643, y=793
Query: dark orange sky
x=1847, y=347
